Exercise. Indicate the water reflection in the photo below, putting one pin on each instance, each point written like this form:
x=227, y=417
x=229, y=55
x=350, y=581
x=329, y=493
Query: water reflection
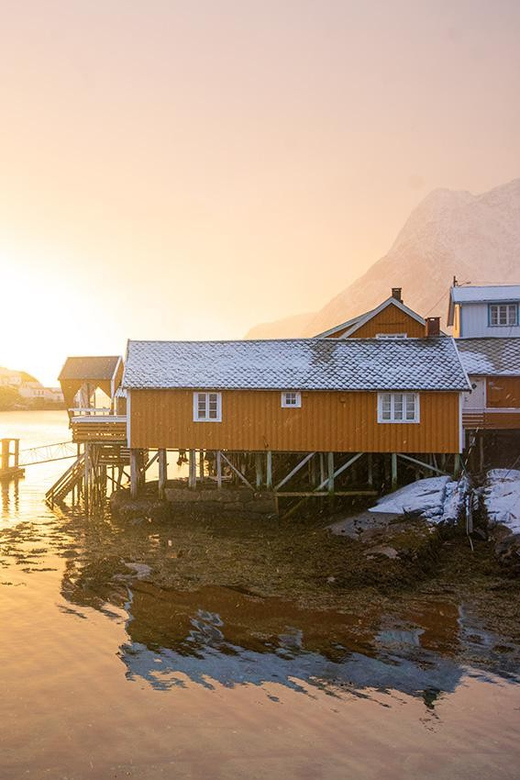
x=10, y=496
x=221, y=636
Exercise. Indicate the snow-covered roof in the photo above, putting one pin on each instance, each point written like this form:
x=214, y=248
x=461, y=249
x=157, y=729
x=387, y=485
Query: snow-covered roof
x=296, y=364
x=491, y=356
x=352, y=325
x=491, y=293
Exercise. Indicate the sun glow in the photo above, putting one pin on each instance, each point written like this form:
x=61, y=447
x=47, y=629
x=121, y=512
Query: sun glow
x=45, y=316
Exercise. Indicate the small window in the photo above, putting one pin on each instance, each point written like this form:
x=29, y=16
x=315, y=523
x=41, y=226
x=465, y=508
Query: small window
x=207, y=407
x=291, y=400
x=391, y=335
x=503, y=314
x=398, y=408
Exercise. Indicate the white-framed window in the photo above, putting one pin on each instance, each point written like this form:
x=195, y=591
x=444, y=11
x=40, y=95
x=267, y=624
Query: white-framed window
x=398, y=408
x=391, y=335
x=207, y=407
x=291, y=399
x=503, y=314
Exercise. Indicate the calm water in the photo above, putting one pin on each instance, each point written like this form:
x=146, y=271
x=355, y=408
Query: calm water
x=112, y=678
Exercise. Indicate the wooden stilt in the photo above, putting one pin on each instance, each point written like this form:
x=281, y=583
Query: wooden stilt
x=394, y=470
x=86, y=479
x=330, y=465
x=134, y=472
x=323, y=478
x=201, y=465
x=370, y=470
x=269, y=470
x=163, y=472
x=481, y=450
x=192, y=478
x=258, y=467
x=219, y=469
x=457, y=465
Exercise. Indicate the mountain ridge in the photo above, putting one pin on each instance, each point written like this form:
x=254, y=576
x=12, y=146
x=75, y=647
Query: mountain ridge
x=449, y=233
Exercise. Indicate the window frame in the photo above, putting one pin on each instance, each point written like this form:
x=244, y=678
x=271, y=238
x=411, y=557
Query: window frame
x=507, y=305
x=381, y=419
x=298, y=399
x=400, y=335
x=196, y=409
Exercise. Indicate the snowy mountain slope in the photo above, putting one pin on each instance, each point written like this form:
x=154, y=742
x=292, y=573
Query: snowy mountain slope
x=473, y=237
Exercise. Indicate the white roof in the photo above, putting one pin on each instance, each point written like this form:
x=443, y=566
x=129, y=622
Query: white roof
x=296, y=364
x=491, y=293
x=491, y=356
x=352, y=325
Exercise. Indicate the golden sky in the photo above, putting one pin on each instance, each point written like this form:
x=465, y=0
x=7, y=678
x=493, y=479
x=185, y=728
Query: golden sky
x=187, y=169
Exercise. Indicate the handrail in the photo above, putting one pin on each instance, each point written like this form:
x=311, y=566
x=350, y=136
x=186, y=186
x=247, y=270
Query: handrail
x=90, y=411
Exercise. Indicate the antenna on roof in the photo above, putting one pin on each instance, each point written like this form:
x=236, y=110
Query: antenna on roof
x=456, y=283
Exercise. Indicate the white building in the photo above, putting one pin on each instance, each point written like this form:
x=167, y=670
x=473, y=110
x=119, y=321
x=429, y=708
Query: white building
x=485, y=312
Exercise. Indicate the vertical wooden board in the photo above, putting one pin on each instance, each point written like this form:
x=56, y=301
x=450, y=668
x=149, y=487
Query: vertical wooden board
x=327, y=421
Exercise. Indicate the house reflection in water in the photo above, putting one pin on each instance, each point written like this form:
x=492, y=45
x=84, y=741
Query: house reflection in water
x=218, y=636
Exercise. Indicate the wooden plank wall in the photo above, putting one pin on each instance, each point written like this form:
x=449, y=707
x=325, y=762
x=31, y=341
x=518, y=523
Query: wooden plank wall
x=390, y=320
x=503, y=392
x=327, y=421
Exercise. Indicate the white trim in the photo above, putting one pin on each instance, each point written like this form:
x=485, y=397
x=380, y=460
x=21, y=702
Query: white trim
x=196, y=413
x=297, y=399
x=391, y=335
x=393, y=397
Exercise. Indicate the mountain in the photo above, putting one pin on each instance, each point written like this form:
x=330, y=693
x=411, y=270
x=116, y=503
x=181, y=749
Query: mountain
x=451, y=233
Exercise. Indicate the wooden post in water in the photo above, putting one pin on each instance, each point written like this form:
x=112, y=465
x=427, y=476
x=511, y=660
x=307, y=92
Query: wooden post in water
x=6, y=443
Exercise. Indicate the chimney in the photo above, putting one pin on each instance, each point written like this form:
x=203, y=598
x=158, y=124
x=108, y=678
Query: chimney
x=433, y=326
x=396, y=293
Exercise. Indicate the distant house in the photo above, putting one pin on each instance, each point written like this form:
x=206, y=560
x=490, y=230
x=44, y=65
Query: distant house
x=83, y=380
x=80, y=377
x=490, y=311
x=10, y=378
x=390, y=320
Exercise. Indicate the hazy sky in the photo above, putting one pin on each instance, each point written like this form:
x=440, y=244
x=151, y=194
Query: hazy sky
x=186, y=169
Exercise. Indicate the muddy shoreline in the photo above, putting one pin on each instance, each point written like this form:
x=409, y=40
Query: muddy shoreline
x=299, y=561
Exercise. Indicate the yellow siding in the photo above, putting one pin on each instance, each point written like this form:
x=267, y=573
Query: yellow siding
x=327, y=421
x=456, y=322
x=390, y=320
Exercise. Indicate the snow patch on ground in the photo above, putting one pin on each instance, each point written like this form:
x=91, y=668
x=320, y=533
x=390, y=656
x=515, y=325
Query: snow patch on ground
x=437, y=500
x=502, y=498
